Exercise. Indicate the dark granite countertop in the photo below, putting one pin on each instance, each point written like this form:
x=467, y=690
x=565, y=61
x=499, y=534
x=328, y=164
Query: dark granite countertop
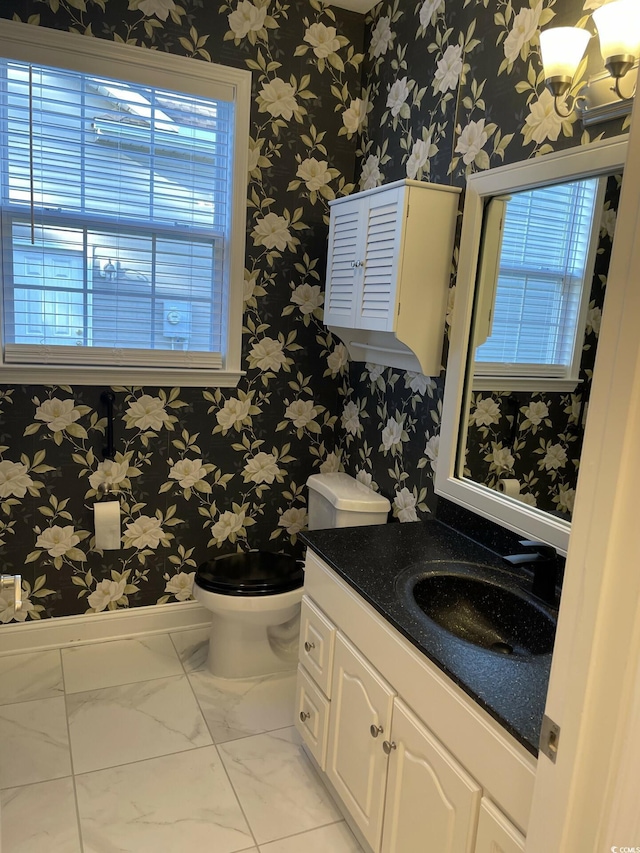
x=512, y=689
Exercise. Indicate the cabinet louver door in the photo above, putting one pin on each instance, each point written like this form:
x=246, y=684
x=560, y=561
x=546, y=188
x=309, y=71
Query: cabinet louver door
x=384, y=227
x=343, y=276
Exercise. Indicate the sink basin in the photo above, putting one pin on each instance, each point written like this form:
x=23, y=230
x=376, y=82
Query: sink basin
x=478, y=605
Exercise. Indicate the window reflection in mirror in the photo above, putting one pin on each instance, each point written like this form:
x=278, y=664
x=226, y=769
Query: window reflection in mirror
x=539, y=297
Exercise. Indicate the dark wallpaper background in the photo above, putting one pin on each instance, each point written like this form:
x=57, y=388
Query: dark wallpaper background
x=432, y=91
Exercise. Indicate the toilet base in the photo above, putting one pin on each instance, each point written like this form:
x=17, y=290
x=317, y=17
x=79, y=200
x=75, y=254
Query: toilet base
x=239, y=649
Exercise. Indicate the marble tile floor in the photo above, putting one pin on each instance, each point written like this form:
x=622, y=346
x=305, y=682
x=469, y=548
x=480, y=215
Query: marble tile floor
x=131, y=746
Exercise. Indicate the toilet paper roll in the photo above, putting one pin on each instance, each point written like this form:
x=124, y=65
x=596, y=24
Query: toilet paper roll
x=106, y=516
x=509, y=487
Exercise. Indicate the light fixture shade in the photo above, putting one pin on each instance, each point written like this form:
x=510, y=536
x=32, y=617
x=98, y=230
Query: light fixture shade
x=618, y=25
x=562, y=48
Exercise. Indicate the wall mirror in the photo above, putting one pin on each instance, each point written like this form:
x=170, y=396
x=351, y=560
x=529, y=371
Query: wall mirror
x=534, y=253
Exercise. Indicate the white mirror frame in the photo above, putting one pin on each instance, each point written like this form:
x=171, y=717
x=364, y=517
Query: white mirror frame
x=598, y=158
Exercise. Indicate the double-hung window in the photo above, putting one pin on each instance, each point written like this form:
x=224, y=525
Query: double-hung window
x=535, y=279
x=123, y=196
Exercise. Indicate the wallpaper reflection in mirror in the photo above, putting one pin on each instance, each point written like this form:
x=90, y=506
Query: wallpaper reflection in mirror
x=535, y=437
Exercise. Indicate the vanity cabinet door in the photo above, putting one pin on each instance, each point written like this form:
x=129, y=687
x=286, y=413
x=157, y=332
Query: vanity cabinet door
x=432, y=803
x=315, y=650
x=312, y=716
x=496, y=833
x=360, y=720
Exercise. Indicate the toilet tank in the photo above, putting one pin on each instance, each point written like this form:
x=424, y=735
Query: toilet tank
x=338, y=500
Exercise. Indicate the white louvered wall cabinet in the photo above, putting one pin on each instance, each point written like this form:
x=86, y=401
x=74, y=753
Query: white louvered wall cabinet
x=388, y=273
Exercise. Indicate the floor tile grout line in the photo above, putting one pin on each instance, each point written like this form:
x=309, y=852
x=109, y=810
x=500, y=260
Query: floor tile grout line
x=73, y=775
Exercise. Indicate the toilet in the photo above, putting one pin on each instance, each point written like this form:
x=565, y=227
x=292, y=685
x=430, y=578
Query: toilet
x=255, y=597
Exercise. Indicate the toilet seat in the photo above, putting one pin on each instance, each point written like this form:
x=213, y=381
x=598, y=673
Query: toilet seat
x=252, y=573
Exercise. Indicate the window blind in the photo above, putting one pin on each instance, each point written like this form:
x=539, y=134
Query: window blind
x=544, y=252
x=116, y=203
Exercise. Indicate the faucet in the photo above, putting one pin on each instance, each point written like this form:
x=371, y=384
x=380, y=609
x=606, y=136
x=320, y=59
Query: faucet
x=544, y=563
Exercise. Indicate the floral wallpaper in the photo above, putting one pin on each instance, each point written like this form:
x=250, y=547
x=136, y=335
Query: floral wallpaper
x=536, y=438
x=432, y=90
x=452, y=87
x=200, y=472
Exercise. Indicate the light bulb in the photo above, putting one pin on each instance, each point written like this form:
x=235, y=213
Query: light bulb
x=618, y=25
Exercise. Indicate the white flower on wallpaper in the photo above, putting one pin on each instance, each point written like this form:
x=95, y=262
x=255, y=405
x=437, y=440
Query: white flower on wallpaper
x=354, y=117
x=237, y=411
x=608, y=222
x=60, y=542
x=145, y=532
x=268, y=354
x=309, y=298
x=293, y=520
x=555, y=457
x=14, y=479
x=428, y=12
x=323, y=40
x=565, y=498
x=448, y=69
x=381, y=37
x=332, y=464
x=350, y=418
x=393, y=435
x=523, y=30
x=160, y=8
x=314, y=173
x=7, y=612
x=485, y=413
x=337, y=360
x=148, y=413
x=543, y=123
x=278, y=98
x=107, y=595
x=302, y=413
x=404, y=505
x=370, y=176
x=398, y=94
x=500, y=458
x=432, y=449
x=246, y=19
x=471, y=142
x=272, y=232
x=421, y=151
x=365, y=478
x=263, y=468
x=229, y=526
x=535, y=414
x=61, y=417
x=112, y=473
x=190, y=473
x=181, y=585
x=594, y=320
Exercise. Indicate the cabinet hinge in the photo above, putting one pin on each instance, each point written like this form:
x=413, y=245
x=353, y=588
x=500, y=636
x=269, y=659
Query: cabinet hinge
x=398, y=308
x=549, y=738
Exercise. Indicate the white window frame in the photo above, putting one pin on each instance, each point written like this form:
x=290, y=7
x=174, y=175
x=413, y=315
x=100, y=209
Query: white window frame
x=27, y=43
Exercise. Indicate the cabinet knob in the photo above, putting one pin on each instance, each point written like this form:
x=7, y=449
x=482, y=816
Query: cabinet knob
x=388, y=745
x=375, y=730
x=304, y=715
x=308, y=646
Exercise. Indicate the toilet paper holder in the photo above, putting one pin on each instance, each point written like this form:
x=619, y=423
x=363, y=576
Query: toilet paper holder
x=15, y=581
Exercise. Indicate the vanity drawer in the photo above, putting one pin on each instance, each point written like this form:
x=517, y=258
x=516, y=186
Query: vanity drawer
x=317, y=638
x=312, y=716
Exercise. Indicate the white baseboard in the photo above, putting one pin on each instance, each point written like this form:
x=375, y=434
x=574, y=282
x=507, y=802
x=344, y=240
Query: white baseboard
x=93, y=627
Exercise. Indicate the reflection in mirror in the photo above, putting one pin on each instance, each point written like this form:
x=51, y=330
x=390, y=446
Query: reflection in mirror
x=532, y=272
x=539, y=296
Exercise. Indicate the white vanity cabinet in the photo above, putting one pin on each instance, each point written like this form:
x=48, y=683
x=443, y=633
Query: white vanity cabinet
x=388, y=272
x=416, y=765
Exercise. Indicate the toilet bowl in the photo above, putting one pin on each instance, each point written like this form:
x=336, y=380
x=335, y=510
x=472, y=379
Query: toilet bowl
x=254, y=599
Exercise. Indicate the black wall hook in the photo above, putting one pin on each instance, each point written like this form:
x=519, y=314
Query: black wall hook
x=108, y=398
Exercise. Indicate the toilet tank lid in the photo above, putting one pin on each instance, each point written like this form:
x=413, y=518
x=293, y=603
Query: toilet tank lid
x=344, y=492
